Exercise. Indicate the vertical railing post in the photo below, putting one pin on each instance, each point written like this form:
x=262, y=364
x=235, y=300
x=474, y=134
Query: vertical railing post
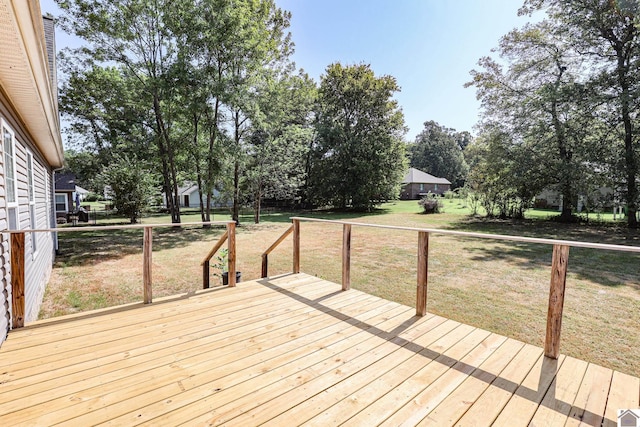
x=205, y=275
x=296, y=246
x=265, y=265
x=17, y=280
x=423, y=264
x=231, y=253
x=559, y=264
x=147, y=246
x=346, y=257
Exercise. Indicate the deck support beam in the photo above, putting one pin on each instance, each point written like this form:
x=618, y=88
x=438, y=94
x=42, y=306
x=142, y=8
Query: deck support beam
x=423, y=264
x=147, y=249
x=346, y=257
x=17, y=280
x=559, y=264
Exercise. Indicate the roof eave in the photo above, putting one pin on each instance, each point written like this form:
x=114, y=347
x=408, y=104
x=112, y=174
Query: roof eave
x=24, y=76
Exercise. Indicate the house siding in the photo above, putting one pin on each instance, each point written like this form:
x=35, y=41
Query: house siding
x=412, y=191
x=38, y=266
x=28, y=107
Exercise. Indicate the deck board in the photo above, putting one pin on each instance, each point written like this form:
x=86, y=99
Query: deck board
x=292, y=350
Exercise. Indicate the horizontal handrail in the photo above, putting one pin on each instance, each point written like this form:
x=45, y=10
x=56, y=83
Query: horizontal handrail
x=572, y=243
x=114, y=227
x=265, y=254
x=277, y=242
x=215, y=248
x=559, y=263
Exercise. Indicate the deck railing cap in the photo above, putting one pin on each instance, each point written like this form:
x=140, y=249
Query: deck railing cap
x=604, y=246
x=115, y=227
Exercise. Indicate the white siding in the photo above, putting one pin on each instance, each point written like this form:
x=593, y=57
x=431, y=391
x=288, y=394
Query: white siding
x=5, y=260
x=37, y=265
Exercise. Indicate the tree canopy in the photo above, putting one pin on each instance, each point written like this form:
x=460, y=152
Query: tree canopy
x=564, y=89
x=438, y=151
x=358, y=153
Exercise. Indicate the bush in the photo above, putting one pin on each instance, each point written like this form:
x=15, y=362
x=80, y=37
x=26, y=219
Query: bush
x=430, y=204
x=450, y=194
x=132, y=186
x=93, y=197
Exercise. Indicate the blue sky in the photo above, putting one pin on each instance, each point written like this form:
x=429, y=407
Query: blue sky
x=429, y=46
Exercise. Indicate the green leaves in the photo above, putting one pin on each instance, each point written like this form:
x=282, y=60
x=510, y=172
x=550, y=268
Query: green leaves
x=438, y=151
x=358, y=157
x=132, y=186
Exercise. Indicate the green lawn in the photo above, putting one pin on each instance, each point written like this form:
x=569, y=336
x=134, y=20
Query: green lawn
x=496, y=285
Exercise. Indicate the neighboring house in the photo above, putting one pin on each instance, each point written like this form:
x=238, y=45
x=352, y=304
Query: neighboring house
x=602, y=198
x=68, y=194
x=81, y=193
x=189, y=196
x=65, y=185
x=31, y=148
x=417, y=184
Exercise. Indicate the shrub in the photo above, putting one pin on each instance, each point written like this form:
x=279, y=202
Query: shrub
x=450, y=194
x=92, y=197
x=430, y=204
x=132, y=186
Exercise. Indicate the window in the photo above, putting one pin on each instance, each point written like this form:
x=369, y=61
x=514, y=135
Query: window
x=421, y=187
x=8, y=145
x=61, y=202
x=32, y=194
x=32, y=203
x=435, y=187
x=32, y=218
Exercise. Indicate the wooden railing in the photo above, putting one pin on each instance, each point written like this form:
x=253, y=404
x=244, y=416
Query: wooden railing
x=230, y=236
x=559, y=265
x=18, y=258
x=265, y=254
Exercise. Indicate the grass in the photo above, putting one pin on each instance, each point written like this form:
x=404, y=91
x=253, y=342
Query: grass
x=495, y=285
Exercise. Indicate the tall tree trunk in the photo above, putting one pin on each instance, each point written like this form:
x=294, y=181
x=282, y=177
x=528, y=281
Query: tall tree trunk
x=566, y=188
x=256, y=210
x=196, y=161
x=237, y=137
x=168, y=163
x=211, y=159
x=630, y=155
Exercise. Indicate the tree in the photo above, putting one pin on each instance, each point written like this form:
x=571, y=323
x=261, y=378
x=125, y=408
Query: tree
x=86, y=166
x=229, y=48
x=538, y=101
x=358, y=156
x=103, y=115
x=504, y=176
x=279, y=143
x=438, y=151
x=189, y=72
x=607, y=33
x=133, y=34
x=132, y=186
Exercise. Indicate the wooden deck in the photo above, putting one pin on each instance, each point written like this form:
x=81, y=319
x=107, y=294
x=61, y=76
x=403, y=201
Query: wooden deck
x=292, y=350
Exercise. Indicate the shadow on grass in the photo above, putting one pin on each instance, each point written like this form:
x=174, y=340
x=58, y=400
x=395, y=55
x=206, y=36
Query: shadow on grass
x=604, y=267
x=92, y=247
x=338, y=215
